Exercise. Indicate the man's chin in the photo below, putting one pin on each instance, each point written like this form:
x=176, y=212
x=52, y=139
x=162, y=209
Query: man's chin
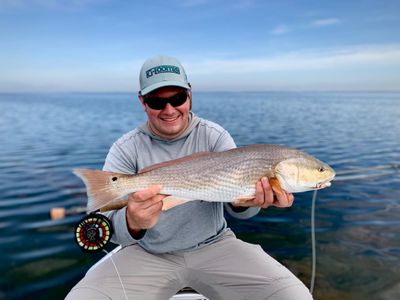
x=172, y=132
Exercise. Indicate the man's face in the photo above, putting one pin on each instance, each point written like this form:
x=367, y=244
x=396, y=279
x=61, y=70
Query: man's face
x=171, y=121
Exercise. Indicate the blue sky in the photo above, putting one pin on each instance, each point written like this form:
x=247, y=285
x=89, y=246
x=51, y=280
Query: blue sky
x=99, y=45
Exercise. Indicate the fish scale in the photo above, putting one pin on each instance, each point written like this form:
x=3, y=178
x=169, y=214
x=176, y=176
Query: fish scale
x=220, y=176
x=215, y=176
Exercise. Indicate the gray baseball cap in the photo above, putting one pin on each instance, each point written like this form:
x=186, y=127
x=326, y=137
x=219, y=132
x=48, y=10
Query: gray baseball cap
x=162, y=71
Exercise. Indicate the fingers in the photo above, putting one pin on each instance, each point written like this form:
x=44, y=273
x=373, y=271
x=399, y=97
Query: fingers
x=152, y=206
x=144, y=208
x=283, y=199
x=144, y=195
x=268, y=195
x=290, y=198
x=265, y=193
x=146, y=198
x=148, y=202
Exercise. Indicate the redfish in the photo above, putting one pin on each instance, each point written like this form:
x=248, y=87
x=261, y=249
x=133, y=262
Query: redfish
x=228, y=176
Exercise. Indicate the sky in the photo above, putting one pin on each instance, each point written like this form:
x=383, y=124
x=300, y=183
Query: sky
x=237, y=45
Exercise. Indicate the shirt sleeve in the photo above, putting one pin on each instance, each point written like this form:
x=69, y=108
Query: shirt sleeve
x=226, y=142
x=243, y=215
x=118, y=161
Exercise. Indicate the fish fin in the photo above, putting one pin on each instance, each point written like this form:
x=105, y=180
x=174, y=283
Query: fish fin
x=172, y=201
x=243, y=199
x=173, y=162
x=114, y=205
x=276, y=186
x=99, y=187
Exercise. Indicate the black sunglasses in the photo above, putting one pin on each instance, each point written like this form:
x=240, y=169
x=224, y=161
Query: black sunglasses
x=159, y=103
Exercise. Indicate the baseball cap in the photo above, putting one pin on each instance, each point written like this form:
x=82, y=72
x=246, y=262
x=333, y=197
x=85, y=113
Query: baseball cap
x=162, y=71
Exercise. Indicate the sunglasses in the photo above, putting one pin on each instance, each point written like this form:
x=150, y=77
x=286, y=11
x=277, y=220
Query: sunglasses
x=158, y=103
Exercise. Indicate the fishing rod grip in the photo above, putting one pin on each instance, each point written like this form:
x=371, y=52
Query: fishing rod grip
x=57, y=213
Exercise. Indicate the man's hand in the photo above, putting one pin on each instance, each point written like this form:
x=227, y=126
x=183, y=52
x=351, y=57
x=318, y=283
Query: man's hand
x=144, y=209
x=266, y=196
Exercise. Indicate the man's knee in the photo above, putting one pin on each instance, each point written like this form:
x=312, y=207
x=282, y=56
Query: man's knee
x=298, y=292
x=85, y=293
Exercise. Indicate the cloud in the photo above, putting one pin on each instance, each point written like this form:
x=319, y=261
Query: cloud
x=280, y=29
x=359, y=67
x=283, y=29
x=325, y=22
x=318, y=59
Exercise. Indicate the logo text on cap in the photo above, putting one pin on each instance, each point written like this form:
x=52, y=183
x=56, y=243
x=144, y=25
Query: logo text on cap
x=162, y=69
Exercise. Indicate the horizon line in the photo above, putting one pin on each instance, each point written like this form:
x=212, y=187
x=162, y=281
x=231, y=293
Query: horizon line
x=217, y=91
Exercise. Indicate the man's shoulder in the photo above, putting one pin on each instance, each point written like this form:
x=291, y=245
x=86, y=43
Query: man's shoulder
x=210, y=125
x=129, y=137
x=216, y=137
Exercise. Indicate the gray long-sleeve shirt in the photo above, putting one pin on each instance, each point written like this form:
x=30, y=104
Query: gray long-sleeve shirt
x=185, y=227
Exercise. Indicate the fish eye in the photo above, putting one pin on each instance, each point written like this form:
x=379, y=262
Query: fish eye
x=114, y=178
x=321, y=169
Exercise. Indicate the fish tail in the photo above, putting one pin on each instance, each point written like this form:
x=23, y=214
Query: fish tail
x=100, y=189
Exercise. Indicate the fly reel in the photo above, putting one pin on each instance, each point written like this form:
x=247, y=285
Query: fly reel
x=93, y=232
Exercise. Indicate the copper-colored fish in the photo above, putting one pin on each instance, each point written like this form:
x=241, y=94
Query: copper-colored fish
x=211, y=176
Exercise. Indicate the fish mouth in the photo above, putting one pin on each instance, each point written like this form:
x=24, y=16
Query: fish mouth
x=322, y=185
x=325, y=183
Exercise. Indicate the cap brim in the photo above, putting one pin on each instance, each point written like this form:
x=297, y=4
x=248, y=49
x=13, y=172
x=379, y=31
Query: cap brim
x=163, y=84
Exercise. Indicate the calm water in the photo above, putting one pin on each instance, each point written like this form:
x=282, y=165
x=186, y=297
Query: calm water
x=44, y=136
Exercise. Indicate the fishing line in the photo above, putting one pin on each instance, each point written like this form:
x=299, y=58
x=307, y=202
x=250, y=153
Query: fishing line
x=116, y=270
x=342, y=176
x=314, y=252
x=381, y=167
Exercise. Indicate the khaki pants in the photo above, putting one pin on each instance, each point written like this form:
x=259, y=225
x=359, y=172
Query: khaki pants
x=229, y=269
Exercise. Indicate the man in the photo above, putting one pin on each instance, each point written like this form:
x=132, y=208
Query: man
x=188, y=245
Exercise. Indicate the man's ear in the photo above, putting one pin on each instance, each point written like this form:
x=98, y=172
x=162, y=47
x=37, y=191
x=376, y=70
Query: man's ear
x=190, y=98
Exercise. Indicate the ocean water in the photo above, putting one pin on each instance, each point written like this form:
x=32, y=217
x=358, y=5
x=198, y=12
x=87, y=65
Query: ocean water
x=44, y=136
